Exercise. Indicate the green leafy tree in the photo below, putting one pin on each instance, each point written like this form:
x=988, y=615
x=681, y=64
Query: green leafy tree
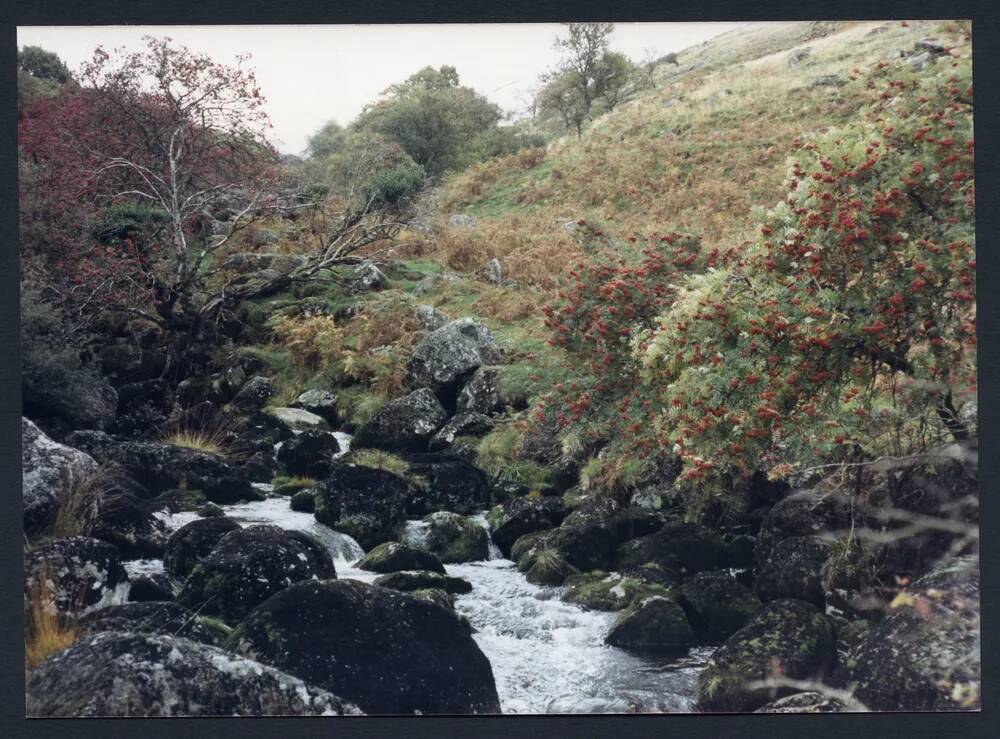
x=432, y=117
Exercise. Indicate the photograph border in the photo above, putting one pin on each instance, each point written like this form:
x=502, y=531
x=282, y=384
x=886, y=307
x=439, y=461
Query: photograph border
x=986, y=44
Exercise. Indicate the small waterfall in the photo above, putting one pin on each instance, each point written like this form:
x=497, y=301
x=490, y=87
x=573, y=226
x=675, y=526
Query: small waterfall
x=415, y=534
x=494, y=552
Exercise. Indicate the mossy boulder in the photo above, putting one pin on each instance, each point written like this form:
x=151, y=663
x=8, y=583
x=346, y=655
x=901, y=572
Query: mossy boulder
x=424, y=580
x=150, y=617
x=178, y=501
x=193, y=541
x=601, y=591
x=74, y=574
x=454, y=538
x=550, y=568
x=722, y=605
x=304, y=501
x=435, y=595
x=130, y=675
x=309, y=453
x=925, y=655
x=515, y=518
x=447, y=483
x=656, y=622
x=787, y=635
x=527, y=547
x=366, y=503
x=803, y=513
x=393, y=556
x=387, y=652
x=247, y=566
x=403, y=425
x=793, y=569
x=685, y=548
x=289, y=486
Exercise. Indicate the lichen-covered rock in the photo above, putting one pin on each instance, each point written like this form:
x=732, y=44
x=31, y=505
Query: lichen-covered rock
x=723, y=606
x=151, y=617
x=322, y=403
x=404, y=424
x=807, y=702
x=685, y=548
x=49, y=470
x=387, y=652
x=159, y=467
x=114, y=674
x=481, y=394
x=74, y=574
x=298, y=419
x=520, y=516
x=430, y=318
x=454, y=538
x=194, y=541
x=365, y=503
x=550, y=567
x=803, y=513
x=449, y=484
x=652, y=623
x=64, y=398
x=368, y=278
x=248, y=566
x=310, y=454
x=789, y=636
x=393, y=556
x=925, y=655
x=126, y=520
x=793, y=569
x=254, y=394
x=462, y=424
x=424, y=580
x=602, y=591
x=448, y=355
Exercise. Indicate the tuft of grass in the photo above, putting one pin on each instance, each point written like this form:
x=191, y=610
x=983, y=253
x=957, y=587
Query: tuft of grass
x=497, y=455
x=284, y=485
x=202, y=440
x=381, y=460
x=46, y=631
x=80, y=506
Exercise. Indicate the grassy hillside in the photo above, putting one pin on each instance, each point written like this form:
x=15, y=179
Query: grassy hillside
x=705, y=152
x=696, y=154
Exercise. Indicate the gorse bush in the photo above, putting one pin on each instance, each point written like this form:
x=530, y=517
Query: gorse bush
x=847, y=324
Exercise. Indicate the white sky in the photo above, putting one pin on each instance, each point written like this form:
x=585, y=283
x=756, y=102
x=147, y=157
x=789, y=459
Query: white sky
x=312, y=74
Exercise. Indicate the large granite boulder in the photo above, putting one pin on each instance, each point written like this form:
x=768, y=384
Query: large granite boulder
x=126, y=674
x=386, y=651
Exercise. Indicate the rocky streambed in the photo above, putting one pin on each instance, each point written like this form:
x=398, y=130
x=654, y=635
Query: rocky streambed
x=547, y=656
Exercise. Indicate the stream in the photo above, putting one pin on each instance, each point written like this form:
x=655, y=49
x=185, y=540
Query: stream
x=547, y=656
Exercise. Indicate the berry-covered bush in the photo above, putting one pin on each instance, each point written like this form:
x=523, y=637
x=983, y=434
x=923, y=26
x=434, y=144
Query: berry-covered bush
x=847, y=325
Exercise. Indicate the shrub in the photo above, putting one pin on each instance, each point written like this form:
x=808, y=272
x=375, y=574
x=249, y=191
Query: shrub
x=847, y=325
x=313, y=342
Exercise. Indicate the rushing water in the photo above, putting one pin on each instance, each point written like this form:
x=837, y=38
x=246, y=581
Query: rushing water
x=547, y=656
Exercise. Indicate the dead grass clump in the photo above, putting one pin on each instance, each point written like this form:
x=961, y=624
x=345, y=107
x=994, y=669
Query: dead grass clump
x=81, y=505
x=46, y=630
x=506, y=304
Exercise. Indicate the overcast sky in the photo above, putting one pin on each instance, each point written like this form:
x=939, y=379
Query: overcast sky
x=313, y=74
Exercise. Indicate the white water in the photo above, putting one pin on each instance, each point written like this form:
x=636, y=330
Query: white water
x=547, y=656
